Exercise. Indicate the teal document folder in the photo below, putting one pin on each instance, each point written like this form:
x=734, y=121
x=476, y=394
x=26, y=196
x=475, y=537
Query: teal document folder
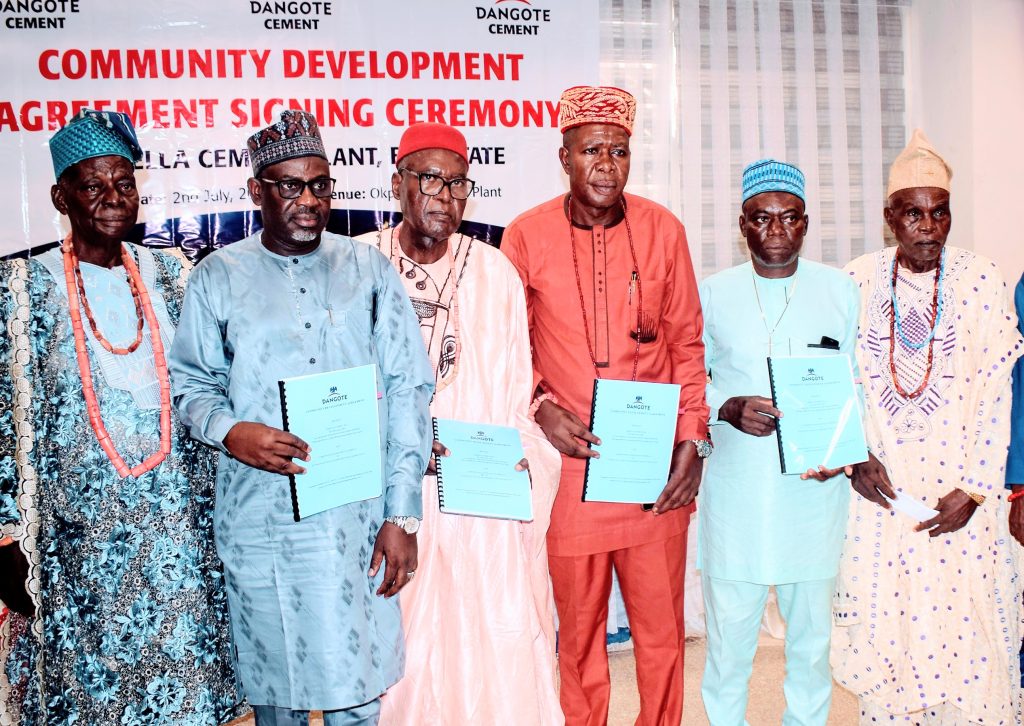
x=336, y=414
x=480, y=477
x=821, y=420
x=636, y=423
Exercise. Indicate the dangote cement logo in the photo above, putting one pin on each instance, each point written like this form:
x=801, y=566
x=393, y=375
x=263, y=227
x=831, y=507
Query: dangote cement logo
x=811, y=376
x=334, y=397
x=638, y=404
x=517, y=17
x=481, y=436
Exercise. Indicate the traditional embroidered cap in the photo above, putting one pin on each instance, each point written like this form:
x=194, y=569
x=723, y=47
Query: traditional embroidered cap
x=769, y=175
x=596, y=105
x=919, y=165
x=430, y=135
x=91, y=134
x=295, y=135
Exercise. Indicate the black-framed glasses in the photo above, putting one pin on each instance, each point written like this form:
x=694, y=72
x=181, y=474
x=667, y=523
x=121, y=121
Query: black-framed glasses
x=432, y=185
x=322, y=187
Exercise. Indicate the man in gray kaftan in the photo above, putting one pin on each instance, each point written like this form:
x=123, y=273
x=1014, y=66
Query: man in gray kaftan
x=313, y=618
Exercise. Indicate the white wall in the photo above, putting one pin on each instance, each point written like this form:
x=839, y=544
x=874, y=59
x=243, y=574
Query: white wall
x=965, y=89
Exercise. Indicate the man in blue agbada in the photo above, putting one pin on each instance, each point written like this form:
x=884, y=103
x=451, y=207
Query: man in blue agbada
x=758, y=527
x=315, y=623
x=119, y=614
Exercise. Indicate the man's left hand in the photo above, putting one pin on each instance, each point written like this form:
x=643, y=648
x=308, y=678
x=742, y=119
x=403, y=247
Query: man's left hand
x=398, y=550
x=954, y=511
x=683, y=478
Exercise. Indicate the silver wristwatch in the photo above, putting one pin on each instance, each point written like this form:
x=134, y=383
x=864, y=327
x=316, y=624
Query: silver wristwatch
x=409, y=525
x=704, y=447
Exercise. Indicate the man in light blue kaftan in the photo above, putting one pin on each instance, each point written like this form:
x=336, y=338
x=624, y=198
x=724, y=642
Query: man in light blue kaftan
x=126, y=616
x=311, y=628
x=758, y=527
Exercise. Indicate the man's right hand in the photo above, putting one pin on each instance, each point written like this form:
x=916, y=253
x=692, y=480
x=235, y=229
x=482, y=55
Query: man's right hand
x=267, y=448
x=754, y=415
x=565, y=431
x=871, y=481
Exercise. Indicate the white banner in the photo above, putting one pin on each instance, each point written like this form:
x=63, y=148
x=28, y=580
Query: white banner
x=198, y=78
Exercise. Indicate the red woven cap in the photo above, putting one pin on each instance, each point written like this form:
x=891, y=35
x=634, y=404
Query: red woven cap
x=582, y=105
x=431, y=135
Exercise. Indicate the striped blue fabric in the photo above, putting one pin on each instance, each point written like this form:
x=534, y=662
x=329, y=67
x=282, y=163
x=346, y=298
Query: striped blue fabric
x=769, y=175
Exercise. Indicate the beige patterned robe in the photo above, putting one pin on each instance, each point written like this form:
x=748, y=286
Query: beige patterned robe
x=923, y=621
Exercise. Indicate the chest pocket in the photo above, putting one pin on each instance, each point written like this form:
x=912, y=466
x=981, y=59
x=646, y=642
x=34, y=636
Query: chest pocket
x=355, y=325
x=806, y=345
x=648, y=325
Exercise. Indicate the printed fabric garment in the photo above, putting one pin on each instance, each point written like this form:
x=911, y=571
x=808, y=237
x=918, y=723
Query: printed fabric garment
x=540, y=244
x=131, y=621
x=309, y=630
x=755, y=523
x=924, y=621
x=479, y=617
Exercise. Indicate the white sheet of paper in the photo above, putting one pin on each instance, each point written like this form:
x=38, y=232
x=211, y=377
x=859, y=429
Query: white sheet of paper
x=911, y=507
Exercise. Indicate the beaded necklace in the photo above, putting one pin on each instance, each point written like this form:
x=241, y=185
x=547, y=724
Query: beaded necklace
x=896, y=326
x=72, y=274
x=453, y=303
x=940, y=277
x=88, y=311
x=635, y=278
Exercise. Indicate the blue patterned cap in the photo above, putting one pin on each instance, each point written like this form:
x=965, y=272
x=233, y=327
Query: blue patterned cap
x=769, y=175
x=91, y=134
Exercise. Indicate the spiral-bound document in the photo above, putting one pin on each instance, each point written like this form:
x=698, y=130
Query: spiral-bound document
x=336, y=414
x=821, y=421
x=636, y=423
x=480, y=477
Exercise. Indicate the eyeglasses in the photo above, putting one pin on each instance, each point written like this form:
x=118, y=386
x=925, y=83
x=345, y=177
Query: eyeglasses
x=322, y=187
x=432, y=184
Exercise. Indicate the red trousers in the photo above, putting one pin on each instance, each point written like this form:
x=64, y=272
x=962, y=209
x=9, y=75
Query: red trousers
x=651, y=579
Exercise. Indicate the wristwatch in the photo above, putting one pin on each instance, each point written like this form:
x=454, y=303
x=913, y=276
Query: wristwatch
x=704, y=447
x=409, y=525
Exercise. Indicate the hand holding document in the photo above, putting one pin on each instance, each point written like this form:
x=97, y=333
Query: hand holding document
x=336, y=414
x=479, y=475
x=822, y=423
x=636, y=423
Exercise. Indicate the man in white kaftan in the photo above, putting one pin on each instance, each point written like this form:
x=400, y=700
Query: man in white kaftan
x=479, y=617
x=928, y=614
